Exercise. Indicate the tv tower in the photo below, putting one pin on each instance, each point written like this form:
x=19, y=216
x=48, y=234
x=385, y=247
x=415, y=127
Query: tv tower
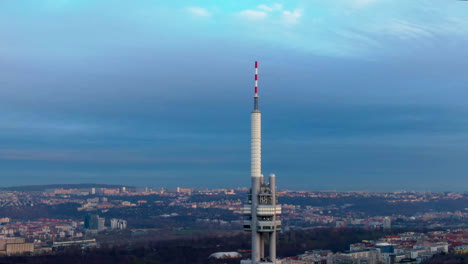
x=262, y=211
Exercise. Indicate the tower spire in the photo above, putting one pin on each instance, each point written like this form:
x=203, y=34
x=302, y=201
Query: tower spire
x=256, y=87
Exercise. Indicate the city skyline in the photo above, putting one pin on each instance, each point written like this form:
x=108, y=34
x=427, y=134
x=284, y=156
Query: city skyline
x=362, y=94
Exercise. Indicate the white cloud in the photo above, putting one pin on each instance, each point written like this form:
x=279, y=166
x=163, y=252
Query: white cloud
x=275, y=11
x=253, y=14
x=291, y=17
x=274, y=7
x=362, y=3
x=199, y=11
x=406, y=30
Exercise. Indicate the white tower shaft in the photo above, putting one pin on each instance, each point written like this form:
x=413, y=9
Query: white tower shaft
x=256, y=144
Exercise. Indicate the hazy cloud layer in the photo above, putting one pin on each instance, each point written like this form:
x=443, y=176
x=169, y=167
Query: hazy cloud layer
x=354, y=94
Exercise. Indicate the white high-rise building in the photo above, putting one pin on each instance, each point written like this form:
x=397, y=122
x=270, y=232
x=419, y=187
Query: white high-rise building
x=387, y=223
x=118, y=224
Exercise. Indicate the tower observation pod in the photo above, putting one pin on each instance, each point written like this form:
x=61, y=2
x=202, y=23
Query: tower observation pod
x=262, y=210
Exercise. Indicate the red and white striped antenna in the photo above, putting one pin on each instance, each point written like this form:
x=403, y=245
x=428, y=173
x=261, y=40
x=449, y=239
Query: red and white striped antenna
x=256, y=87
x=256, y=78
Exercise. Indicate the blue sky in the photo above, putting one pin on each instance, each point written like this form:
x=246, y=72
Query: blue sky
x=355, y=94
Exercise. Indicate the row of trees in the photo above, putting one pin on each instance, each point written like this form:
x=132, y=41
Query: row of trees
x=448, y=259
x=196, y=250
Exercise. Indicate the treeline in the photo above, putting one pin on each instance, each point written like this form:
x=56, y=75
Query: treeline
x=447, y=259
x=335, y=239
x=197, y=250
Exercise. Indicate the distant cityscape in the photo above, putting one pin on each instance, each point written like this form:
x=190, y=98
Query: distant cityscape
x=35, y=221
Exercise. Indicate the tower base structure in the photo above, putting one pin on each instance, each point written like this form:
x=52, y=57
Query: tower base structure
x=262, y=220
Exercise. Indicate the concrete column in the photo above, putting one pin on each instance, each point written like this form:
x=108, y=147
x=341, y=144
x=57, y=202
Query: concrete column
x=262, y=245
x=254, y=222
x=272, y=181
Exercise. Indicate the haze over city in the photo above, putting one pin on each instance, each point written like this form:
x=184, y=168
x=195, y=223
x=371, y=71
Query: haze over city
x=356, y=94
